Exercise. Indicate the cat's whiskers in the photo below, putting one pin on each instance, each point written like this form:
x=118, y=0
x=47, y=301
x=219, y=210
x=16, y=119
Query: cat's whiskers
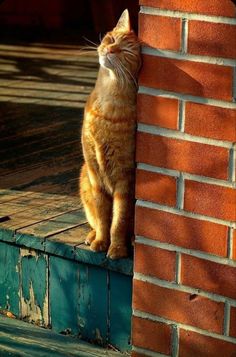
x=128, y=72
x=124, y=74
x=88, y=49
x=129, y=52
x=118, y=70
x=93, y=43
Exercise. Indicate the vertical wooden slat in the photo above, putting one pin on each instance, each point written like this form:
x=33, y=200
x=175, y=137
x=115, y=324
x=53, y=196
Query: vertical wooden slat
x=78, y=299
x=63, y=294
x=120, y=310
x=93, y=303
x=9, y=278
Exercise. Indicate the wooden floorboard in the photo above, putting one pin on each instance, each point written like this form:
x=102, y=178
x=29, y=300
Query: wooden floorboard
x=43, y=90
x=18, y=338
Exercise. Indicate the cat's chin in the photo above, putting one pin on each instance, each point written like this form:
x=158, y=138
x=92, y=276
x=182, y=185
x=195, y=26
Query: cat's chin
x=104, y=62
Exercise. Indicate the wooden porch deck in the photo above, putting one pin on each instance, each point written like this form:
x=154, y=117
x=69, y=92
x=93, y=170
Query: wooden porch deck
x=47, y=275
x=43, y=89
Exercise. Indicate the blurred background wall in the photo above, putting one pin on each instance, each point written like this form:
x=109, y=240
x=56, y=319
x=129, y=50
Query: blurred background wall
x=90, y=16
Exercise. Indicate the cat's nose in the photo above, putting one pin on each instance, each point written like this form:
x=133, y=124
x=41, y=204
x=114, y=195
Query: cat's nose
x=113, y=49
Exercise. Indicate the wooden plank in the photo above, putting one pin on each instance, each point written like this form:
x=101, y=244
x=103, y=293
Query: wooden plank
x=18, y=338
x=44, y=210
x=64, y=243
x=8, y=209
x=63, y=283
x=11, y=195
x=38, y=177
x=93, y=304
x=34, y=287
x=26, y=150
x=84, y=254
x=120, y=296
x=83, y=306
x=59, y=150
x=9, y=278
x=7, y=235
x=56, y=224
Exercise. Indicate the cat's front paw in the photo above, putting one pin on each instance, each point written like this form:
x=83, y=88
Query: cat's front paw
x=99, y=245
x=90, y=237
x=117, y=251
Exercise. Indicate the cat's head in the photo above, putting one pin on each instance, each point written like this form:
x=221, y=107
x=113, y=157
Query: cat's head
x=119, y=50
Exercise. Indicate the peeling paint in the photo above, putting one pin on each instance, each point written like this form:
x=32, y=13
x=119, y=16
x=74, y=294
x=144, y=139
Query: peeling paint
x=98, y=336
x=25, y=252
x=34, y=287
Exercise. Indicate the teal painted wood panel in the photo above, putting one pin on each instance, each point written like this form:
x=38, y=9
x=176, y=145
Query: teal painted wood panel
x=78, y=299
x=93, y=303
x=120, y=296
x=84, y=254
x=63, y=294
x=34, y=287
x=9, y=278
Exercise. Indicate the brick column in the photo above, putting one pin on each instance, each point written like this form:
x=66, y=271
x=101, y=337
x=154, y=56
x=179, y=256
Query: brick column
x=184, y=297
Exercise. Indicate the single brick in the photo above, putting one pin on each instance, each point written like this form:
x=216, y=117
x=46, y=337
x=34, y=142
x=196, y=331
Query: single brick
x=152, y=186
x=182, y=155
x=181, y=231
x=210, y=7
x=234, y=244
x=232, y=330
x=210, y=200
x=211, y=39
x=194, y=78
x=196, y=345
x=154, y=261
x=158, y=111
x=151, y=335
x=210, y=121
x=178, y=306
x=209, y=276
x=152, y=28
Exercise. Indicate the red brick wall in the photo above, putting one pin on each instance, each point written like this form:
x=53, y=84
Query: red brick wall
x=184, y=297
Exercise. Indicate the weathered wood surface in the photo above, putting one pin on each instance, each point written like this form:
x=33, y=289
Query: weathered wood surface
x=34, y=287
x=72, y=297
x=47, y=274
x=50, y=277
x=43, y=91
x=9, y=278
x=53, y=224
x=53, y=279
x=18, y=338
x=95, y=303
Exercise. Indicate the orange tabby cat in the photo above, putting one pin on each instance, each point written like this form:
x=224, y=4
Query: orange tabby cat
x=108, y=141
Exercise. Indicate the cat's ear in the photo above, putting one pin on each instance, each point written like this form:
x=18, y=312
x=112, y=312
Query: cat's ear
x=123, y=23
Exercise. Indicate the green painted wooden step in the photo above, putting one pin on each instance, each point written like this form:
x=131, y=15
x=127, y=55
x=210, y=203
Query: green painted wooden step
x=18, y=338
x=49, y=277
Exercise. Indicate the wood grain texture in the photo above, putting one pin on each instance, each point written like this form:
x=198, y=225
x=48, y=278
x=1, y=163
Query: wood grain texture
x=120, y=296
x=54, y=224
x=42, y=95
x=22, y=339
x=9, y=278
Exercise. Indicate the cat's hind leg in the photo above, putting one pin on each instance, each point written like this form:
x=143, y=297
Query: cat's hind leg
x=88, y=203
x=122, y=221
